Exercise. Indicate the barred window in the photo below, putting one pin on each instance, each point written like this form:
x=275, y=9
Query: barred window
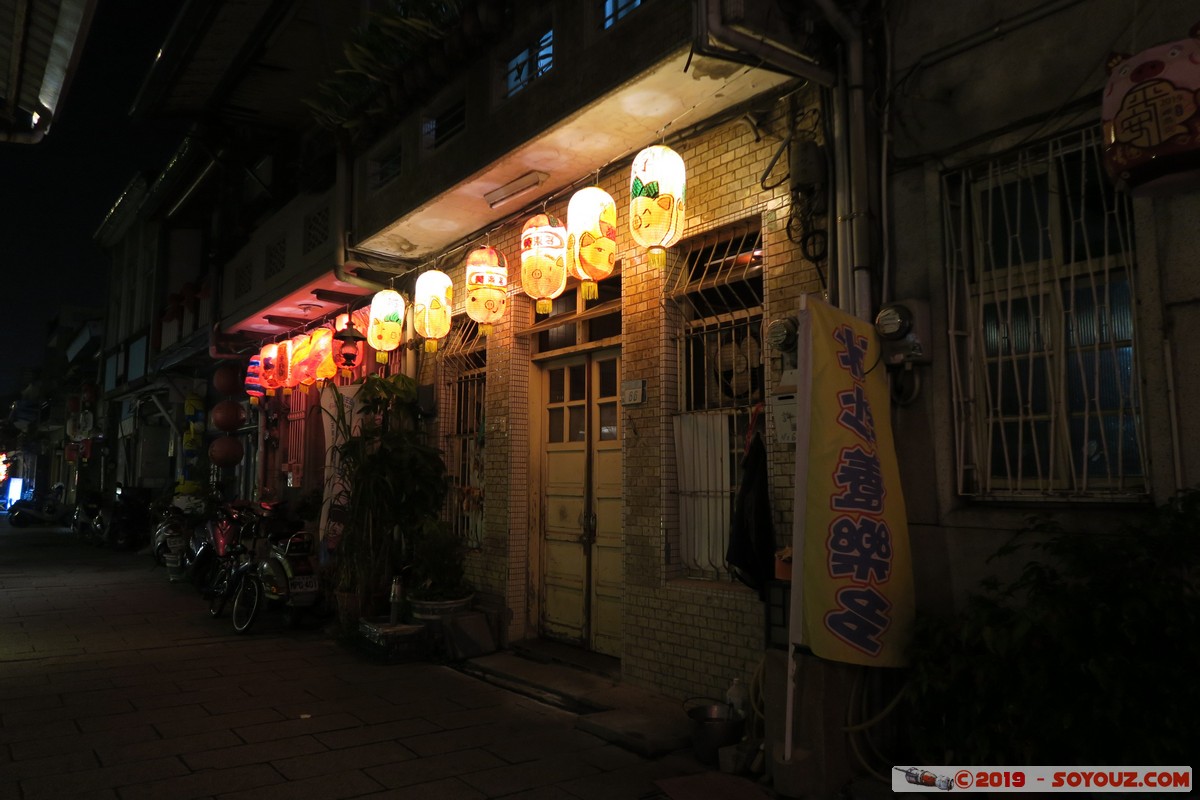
x=464, y=366
x=716, y=288
x=531, y=62
x=616, y=10
x=1040, y=270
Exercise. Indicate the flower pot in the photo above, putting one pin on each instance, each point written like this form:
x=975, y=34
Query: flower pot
x=427, y=611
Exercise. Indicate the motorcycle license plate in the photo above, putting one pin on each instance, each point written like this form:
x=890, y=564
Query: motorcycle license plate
x=302, y=583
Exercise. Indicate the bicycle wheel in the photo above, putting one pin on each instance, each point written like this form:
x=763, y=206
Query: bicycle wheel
x=246, y=602
x=219, y=592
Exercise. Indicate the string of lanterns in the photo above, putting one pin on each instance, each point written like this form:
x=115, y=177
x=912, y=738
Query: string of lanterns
x=584, y=248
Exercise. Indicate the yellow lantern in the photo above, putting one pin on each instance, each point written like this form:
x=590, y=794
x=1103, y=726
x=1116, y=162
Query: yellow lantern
x=387, y=323
x=268, y=371
x=591, y=238
x=432, y=301
x=319, y=365
x=487, y=287
x=656, y=201
x=301, y=372
x=543, y=260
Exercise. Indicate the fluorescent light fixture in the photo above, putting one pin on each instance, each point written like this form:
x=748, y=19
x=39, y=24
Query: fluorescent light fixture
x=515, y=187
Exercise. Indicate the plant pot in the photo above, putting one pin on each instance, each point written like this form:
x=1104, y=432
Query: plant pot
x=427, y=611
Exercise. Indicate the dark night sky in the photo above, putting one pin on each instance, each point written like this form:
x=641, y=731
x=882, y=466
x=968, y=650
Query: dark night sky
x=55, y=194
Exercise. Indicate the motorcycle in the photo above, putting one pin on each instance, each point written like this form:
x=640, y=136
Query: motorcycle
x=48, y=509
x=127, y=522
x=88, y=522
x=286, y=577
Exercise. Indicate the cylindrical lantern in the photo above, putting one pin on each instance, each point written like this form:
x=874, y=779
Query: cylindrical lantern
x=226, y=451
x=225, y=380
x=268, y=357
x=301, y=347
x=656, y=193
x=281, y=375
x=543, y=260
x=432, y=301
x=591, y=238
x=228, y=415
x=387, y=323
x=487, y=287
x=323, y=367
x=253, y=381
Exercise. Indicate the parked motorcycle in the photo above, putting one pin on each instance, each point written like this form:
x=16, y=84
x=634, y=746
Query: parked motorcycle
x=286, y=577
x=89, y=521
x=48, y=509
x=127, y=522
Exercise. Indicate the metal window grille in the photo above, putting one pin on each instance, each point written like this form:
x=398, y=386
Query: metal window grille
x=464, y=365
x=716, y=285
x=1040, y=274
x=385, y=166
x=316, y=230
x=532, y=62
x=438, y=130
x=616, y=10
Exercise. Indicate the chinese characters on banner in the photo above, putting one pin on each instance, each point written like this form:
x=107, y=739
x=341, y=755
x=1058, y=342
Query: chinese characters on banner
x=852, y=597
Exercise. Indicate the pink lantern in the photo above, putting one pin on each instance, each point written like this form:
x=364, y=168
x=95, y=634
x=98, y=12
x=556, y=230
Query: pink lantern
x=591, y=238
x=656, y=193
x=268, y=358
x=487, y=287
x=543, y=260
x=386, y=327
x=433, y=297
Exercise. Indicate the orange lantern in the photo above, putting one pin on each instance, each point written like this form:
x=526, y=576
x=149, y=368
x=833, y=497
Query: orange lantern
x=387, y=323
x=321, y=357
x=228, y=416
x=224, y=379
x=543, y=260
x=253, y=382
x=268, y=358
x=433, y=297
x=656, y=195
x=301, y=372
x=282, y=372
x=487, y=287
x=591, y=238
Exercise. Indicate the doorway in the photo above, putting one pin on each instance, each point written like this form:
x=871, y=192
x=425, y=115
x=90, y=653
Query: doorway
x=582, y=570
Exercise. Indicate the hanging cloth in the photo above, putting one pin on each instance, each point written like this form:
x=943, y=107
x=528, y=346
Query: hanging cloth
x=751, y=551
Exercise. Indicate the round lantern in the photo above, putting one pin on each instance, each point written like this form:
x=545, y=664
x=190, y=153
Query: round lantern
x=656, y=201
x=268, y=356
x=432, y=301
x=228, y=416
x=225, y=380
x=226, y=451
x=543, y=260
x=252, y=384
x=591, y=238
x=387, y=323
x=487, y=287
x=302, y=372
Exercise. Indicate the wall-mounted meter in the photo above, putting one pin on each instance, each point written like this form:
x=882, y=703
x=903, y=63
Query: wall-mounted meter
x=903, y=328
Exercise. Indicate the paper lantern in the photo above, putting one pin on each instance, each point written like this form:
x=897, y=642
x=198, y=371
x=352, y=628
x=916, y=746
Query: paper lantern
x=433, y=297
x=591, y=238
x=268, y=356
x=225, y=379
x=1151, y=118
x=656, y=193
x=487, y=287
x=387, y=323
x=301, y=347
x=543, y=260
x=280, y=376
x=252, y=384
x=228, y=416
x=323, y=366
x=226, y=451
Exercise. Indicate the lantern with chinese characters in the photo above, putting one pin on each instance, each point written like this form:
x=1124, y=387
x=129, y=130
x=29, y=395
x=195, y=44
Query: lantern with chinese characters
x=266, y=357
x=300, y=372
x=543, y=260
x=350, y=338
x=279, y=375
x=252, y=384
x=387, y=323
x=656, y=193
x=432, y=299
x=591, y=238
x=487, y=287
x=323, y=366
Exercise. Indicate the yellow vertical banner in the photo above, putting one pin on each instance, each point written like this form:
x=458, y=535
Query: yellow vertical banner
x=852, y=587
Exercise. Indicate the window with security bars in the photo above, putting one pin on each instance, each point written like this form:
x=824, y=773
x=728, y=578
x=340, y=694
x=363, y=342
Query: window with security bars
x=1040, y=272
x=716, y=288
x=616, y=10
x=531, y=62
x=464, y=369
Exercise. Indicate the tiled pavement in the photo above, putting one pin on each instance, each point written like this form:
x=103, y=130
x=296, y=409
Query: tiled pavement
x=115, y=683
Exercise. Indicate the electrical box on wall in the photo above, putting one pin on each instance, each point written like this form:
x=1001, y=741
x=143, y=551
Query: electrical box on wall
x=903, y=328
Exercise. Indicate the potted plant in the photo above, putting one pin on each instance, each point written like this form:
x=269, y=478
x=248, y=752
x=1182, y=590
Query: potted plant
x=390, y=483
x=435, y=583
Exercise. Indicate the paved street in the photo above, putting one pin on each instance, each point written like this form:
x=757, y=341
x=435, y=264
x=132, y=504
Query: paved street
x=115, y=683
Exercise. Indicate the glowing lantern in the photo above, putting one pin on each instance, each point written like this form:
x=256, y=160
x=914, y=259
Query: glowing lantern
x=543, y=260
x=253, y=382
x=432, y=299
x=323, y=367
x=591, y=237
x=656, y=201
x=387, y=323
x=487, y=287
x=350, y=338
x=281, y=375
x=300, y=371
x=270, y=373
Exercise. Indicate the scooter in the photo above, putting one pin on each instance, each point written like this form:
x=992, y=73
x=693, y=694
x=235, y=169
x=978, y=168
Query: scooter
x=89, y=520
x=46, y=510
x=288, y=574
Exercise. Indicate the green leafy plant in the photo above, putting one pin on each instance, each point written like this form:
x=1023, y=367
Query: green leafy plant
x=437, y=568
x=1087, y=657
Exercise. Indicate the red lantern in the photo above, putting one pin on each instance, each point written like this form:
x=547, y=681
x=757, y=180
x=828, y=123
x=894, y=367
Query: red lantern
x=301, y=372
x=228, y=416
x=323, y=367
x=225, y=380
x=226, y=451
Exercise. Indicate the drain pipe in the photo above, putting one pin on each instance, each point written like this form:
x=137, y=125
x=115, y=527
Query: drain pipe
x=344, y=181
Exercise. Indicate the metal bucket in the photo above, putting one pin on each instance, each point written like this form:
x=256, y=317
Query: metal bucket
x=714, y=725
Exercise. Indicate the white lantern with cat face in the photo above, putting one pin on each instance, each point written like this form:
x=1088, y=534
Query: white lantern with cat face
x=656, y=194
x=591, y=238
